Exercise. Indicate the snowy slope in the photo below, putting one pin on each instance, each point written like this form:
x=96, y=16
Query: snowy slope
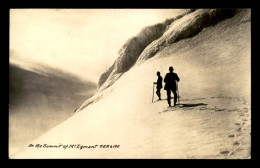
x=214, y=67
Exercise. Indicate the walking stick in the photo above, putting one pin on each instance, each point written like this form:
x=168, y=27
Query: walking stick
x=153, y=92
x=178, y=95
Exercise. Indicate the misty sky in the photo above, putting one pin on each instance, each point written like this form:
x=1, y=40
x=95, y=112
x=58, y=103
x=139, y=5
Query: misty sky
x=84, y=42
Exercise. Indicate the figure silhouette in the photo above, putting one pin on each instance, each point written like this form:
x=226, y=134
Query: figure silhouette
x=170, y=85
x=158, y=85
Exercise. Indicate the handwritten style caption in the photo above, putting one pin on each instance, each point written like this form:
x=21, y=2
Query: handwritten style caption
x=72, y=146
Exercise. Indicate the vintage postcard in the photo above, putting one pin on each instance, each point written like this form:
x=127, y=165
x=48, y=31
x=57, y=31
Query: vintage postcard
x=130, y=84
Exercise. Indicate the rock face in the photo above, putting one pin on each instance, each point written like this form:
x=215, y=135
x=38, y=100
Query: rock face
x=154, y=38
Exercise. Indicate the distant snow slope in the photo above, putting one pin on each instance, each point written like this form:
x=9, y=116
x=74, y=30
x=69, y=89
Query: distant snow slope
x=39, y=99
x=213, y=63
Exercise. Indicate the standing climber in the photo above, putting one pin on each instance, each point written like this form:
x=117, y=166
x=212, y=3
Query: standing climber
x=170, y=85
x=159, y=85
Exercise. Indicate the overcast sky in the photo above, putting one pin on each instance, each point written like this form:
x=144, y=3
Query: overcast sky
x=81, y=41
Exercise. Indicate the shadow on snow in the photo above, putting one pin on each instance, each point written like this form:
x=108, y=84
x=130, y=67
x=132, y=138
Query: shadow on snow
x=190, y=105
